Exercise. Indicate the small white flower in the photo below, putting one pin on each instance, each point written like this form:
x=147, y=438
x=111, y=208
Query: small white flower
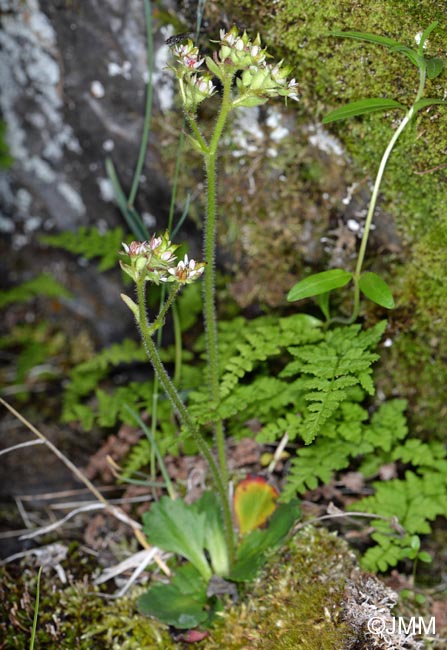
x=136, y=248
x=187, y=270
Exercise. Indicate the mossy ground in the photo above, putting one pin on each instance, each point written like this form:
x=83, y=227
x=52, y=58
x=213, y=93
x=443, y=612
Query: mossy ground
x=296, y=603
x=311, y=596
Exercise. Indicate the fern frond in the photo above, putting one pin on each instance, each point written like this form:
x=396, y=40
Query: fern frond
x=415, y=501
x=42, y=285
x=335, y=365
x=90, y=243
x=345, y=437
x=318, y=463
x=264, y=339
x=422, y=455
x=288, y=423
x=388, y=551
x=85, y=377
x=388, y=425
x=139, y=457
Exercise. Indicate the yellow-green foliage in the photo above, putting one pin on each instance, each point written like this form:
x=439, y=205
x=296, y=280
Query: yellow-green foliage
x=74, y=616
x=296, y=603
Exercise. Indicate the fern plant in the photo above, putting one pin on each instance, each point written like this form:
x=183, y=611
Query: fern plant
x=90, y=243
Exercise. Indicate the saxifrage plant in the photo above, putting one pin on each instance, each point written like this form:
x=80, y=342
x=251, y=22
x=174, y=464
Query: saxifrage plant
x=247, y=79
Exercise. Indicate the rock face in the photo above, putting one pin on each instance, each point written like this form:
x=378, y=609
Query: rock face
x=73, y=78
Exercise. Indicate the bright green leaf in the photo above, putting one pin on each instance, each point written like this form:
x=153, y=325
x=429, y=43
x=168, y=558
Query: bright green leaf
x=181, y=603
x=376, y=289
x=361, y=107
x=434, y=67
x=251, y=551
x=178, y=528
x=393, y=45
x=428, y=101
x=424, y=37
x=254, y=502
x=319, y=283
x=370, y=38
x=323, y=303
x=215, y=542
x=415, y=59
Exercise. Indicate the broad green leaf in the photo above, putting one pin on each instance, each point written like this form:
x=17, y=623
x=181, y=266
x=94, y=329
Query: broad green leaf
x=424, y=37
x=361, y=107
x=319, y=283
x=254, y=501
x=189, y=581
x=434, y=67
x=428, y=101
x=175, y=527
x=280, y=523
x=323, y=303
x=376, y=289
x=183, y=603
x=251, y=551
x=214, y=532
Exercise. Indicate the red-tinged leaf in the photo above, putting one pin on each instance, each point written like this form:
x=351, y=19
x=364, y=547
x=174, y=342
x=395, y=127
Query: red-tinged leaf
x=193, y=636
x=254, y=502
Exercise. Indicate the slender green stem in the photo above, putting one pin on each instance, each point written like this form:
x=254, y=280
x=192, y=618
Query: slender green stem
x=36, y=610
x=177, y=345
x=199, y=137
x=160, y=320
x=148, y=110
x=185, y=417
x=209, y=308
x=375, y=193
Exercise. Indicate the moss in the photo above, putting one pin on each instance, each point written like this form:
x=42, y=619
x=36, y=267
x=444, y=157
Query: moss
x=73, y=617
x=296, y=604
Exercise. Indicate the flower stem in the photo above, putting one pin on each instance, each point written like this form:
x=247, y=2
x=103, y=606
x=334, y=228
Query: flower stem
x=375, y=194
x=160, y=320
x=185, y=417
x=209, y=307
